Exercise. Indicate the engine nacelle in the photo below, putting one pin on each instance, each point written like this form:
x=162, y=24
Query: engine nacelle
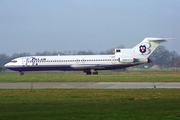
x=134, y=60
x=127, y=60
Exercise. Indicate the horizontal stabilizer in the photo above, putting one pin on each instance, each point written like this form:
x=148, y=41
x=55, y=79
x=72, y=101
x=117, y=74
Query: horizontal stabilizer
x=158, y=39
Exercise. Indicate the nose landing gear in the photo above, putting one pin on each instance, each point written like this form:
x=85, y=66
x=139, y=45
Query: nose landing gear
x=22, y=72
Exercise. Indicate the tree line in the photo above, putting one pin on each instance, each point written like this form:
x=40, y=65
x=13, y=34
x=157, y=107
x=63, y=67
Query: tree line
x=161, y=56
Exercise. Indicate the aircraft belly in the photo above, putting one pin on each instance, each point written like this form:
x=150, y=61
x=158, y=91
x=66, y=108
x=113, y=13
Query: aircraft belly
x=76, y=67
x=39, y=67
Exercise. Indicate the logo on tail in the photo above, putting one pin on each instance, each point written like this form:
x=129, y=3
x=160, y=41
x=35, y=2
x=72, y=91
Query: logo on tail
x=142, y=48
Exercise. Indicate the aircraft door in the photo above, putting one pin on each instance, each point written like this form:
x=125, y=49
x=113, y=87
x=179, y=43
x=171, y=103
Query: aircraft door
x=27, y=62
x=113, y=59
x=24, y=62
x=32, y=61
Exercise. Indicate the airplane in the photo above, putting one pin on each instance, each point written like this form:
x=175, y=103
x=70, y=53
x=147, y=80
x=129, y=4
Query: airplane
x=90, y=64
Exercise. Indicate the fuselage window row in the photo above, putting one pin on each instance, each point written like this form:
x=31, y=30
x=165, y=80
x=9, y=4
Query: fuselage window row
x=74, y=60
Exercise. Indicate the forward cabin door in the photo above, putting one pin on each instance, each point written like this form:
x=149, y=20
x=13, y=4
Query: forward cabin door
x=24, y=62
x=27, y=62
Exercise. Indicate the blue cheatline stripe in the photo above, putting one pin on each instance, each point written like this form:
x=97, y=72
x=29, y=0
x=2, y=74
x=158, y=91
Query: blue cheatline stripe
x=63, y=68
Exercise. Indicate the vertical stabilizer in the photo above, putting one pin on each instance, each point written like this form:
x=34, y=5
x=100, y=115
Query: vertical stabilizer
x=148, y=45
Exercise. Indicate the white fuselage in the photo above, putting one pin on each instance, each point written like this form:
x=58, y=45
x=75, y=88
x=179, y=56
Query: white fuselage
x=76, y=62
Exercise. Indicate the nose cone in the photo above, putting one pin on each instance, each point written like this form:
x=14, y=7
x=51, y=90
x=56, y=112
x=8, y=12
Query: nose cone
x=6, y=66
x=10, y=66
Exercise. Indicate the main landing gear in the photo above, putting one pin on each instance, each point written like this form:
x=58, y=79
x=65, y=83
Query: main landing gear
x=22, y=72
x=89, y=72
x=95, y=73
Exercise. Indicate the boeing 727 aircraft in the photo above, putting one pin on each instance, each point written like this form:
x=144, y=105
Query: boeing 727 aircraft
x=122, y=58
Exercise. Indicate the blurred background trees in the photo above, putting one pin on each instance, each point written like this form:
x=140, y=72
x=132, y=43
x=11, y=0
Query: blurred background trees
x=162, y=57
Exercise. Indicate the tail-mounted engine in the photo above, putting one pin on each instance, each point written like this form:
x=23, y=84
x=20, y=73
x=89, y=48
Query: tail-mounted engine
x=134, y=60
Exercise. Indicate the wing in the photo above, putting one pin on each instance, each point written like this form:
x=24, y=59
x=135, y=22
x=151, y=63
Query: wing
x=91, y=66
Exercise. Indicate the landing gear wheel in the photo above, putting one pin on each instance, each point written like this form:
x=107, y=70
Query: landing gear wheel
x=22, y=72
x=88, y=73
x=95, y=73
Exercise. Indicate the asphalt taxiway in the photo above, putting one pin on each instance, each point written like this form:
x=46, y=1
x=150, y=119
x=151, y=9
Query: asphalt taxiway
x=89, y=85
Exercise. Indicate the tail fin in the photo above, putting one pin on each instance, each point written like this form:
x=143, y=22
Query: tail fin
x=148, y=45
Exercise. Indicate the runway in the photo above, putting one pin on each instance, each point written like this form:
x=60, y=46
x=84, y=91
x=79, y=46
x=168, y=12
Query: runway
x=89, y=85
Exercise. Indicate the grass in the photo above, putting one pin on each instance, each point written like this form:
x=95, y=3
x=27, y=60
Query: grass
x=96, y=104
x=90, y=104
x=147, y=76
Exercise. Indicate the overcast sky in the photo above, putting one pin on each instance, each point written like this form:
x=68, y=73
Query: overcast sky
x=98, y=25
